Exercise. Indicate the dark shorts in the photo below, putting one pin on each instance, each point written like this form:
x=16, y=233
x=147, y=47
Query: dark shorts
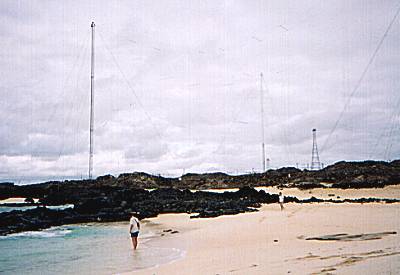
x=135, y=234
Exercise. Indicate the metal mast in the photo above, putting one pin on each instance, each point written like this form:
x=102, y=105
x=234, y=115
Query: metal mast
x=315, y=164
x=91, y=106
x=262, y=122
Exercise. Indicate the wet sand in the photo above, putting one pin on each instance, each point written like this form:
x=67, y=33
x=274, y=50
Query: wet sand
x=303, y=239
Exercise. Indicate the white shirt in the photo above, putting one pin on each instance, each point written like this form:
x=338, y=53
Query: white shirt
x=281, y=198
x=134, y=222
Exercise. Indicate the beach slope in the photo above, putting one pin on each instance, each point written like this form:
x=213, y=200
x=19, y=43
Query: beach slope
x=302, y=239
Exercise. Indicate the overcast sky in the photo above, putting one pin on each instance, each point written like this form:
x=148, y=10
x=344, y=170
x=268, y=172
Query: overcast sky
x=177, y=85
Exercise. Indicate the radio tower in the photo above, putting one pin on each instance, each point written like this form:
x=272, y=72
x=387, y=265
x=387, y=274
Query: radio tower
x=262, y=123
x=91, y=106
x=315, y=164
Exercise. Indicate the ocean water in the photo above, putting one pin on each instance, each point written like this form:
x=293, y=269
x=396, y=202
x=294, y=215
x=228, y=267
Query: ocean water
x=82, y=249
x=9, y=209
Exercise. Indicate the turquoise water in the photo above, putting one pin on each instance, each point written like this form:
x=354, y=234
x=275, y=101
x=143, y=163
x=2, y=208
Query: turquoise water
x=9, y=209
x=81, y=249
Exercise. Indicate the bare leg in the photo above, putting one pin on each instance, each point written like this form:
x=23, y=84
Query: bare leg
x=281, y=206
x=134, y=242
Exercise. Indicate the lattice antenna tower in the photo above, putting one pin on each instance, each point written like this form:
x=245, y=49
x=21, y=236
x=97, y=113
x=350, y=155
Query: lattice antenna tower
x=315, y=163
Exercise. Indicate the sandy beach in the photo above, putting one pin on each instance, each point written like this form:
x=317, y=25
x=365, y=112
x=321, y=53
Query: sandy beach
x=271, y=241
x=388, y=192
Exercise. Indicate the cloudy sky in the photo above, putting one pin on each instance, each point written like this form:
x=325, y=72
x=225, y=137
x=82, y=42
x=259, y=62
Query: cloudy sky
x=177, y=85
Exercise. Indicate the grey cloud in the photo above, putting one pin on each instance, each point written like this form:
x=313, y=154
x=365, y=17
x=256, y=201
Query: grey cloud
x=148, y=151
x=194, y=67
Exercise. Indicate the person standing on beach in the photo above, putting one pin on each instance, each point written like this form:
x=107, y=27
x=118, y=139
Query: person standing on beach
x=134, y=227
x=281, y=197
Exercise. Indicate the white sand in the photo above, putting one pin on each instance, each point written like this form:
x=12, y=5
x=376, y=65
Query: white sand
x=388, y=192
x=244, y=244
x=16, y=200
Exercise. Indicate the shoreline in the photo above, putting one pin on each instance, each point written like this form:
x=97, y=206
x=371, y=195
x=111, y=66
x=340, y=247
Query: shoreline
x=303, y=239
x=274, y=242
x=200, y=204
x=83, y=248
x=271, y=241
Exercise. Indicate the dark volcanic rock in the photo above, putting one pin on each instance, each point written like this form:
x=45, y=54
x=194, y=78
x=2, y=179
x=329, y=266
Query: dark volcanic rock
x=117, y=203
x=7, y=190
x=6, y=184
x=312, y=199
x=367, y=174
x=90, y=206
x=113, y=199
x=35, y=219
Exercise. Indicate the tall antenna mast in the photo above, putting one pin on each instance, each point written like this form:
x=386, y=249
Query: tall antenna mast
x=315, y=164
x=91, y=106
x=262, y=122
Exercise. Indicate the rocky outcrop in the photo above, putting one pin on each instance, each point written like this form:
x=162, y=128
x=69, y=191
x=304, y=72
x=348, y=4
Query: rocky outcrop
x=110, y=198
x=118, y=204
x=366, y=174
